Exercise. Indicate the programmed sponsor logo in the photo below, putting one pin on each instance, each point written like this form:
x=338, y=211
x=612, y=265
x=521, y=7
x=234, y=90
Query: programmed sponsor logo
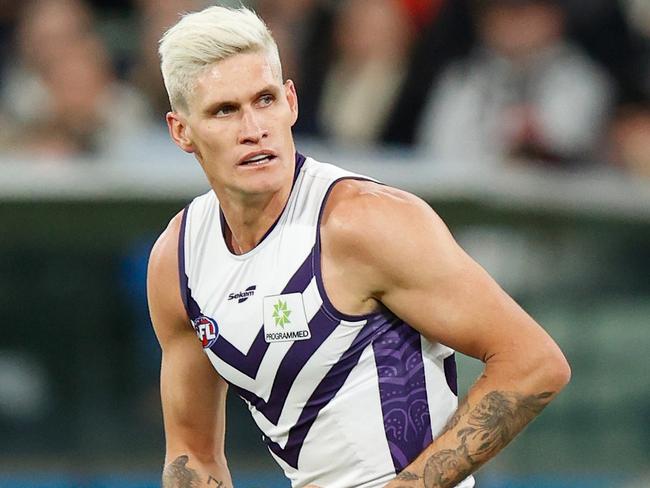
x=287, y=336
x=285, y=319
x=242, y=296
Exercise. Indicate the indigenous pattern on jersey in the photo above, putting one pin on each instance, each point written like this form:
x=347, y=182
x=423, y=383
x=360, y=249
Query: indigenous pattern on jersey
x=342, y=401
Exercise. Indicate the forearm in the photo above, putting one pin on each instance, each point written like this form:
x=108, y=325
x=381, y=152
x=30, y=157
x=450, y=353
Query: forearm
x=186, y=471
x=485, y=422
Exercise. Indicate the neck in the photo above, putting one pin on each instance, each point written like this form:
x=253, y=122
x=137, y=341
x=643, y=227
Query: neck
x=248, y=217
x=248, y=223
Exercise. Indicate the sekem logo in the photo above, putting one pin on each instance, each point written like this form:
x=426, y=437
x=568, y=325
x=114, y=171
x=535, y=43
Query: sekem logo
x=242, y=296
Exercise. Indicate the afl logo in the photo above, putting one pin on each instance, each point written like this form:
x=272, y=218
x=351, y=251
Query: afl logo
x=207, y=330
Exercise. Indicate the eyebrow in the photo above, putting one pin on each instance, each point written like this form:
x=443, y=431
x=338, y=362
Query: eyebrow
x=219, y=104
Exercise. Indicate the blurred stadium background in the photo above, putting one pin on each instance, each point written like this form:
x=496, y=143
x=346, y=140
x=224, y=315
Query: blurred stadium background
x=524, y=123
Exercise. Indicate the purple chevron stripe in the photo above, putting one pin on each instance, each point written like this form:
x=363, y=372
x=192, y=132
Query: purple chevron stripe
x=402, y=390
x=326, y=390
x=249, y=363
x=191, y=307
x=321, y=326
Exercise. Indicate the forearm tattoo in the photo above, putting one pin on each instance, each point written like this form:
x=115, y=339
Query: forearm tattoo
x=178, y=475
x=217, y=483
x=490, y=425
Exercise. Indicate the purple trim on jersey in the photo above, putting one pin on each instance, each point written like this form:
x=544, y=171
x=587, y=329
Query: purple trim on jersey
x=193, y=309
x=300, y=161
x=326, y=391
x=321, y=326
x=185, y=293
x=249, y=363
x=316, y=259
x=403, y=394
x=451, y=375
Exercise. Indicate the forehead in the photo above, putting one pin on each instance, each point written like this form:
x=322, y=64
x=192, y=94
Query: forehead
x=235, y=79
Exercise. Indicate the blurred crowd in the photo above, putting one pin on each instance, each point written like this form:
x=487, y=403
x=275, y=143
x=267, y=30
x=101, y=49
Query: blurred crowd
x=556, y=83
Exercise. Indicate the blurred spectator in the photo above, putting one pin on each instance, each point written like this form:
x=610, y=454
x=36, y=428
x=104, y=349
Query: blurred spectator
x=45, y=30
x=8, y=14
x=373, y=42
x=289, y=20
x=422, y=12
x=638, y=15
x=154, y=18
x=445, y=34
x=630, y=135
x=612, y=34
x=304, y=38
x=525, y=93
x=62, y=97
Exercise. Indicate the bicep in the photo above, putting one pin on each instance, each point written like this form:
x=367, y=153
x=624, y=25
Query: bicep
x=432, y=284
x=193, y=399
x=193, y=395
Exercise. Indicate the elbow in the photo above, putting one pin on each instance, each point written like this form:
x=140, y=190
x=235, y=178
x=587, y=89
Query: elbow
x=564, y=371
x=556, y=371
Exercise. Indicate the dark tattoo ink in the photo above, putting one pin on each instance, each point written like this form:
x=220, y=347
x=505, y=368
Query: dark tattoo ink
x=490, y=425
x=445, y=467
x=408, y=476
x=498, y=418
x=178, y=475
x=216, y=482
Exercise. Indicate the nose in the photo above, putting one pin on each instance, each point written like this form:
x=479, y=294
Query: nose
x=252, y=129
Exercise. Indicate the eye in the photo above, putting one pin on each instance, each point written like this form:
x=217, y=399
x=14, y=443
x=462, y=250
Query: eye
x=225, y=110
x=266, y=100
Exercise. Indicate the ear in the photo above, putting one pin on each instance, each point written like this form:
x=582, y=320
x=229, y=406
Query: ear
x=292, y=98
x=178, y=131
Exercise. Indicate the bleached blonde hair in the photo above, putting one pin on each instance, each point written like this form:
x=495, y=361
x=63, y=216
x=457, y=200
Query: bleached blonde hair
x=200, y=39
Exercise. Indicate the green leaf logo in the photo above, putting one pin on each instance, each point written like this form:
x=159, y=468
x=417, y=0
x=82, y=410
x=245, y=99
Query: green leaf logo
x=281, y=313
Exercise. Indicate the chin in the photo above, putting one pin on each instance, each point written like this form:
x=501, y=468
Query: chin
x=263, y=184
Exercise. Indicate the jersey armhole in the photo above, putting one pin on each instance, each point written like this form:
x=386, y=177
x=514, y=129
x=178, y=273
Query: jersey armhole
x=182, y=274
x=317, y=259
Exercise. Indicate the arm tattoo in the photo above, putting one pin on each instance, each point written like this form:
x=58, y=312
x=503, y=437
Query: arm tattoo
x=462, y=409
x=489, y=426
x=408, y=476
x=498, y=418
x=178, y=475
x=218, y=483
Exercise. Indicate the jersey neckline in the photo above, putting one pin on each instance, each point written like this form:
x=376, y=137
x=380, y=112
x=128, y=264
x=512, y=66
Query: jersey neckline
x=223, y=225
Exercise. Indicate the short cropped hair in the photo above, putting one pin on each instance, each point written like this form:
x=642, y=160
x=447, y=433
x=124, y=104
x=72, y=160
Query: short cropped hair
x=202, y=38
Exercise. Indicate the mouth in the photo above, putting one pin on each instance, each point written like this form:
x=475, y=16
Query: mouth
x=258, y=159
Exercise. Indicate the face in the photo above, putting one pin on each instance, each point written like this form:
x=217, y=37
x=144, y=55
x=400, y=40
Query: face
x=521, y=31
x=238, y=125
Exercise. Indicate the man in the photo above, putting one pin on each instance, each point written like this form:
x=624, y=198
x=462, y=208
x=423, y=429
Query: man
x=330, y=303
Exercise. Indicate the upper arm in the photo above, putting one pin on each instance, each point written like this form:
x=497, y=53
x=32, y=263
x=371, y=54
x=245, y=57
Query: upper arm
x=193, y=395
x=408, y=260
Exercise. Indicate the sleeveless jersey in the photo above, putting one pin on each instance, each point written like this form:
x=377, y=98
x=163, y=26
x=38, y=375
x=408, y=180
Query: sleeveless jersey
x=342, y=401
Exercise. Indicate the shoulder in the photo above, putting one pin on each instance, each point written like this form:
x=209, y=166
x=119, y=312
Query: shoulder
x=164, y=253
x=163, y=282
x=383, y=232
x=360, y=209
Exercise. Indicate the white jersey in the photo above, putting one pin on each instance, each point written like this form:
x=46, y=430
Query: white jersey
x=342, y=401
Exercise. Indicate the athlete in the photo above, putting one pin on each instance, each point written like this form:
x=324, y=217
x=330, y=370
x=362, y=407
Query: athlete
x=330, y=303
